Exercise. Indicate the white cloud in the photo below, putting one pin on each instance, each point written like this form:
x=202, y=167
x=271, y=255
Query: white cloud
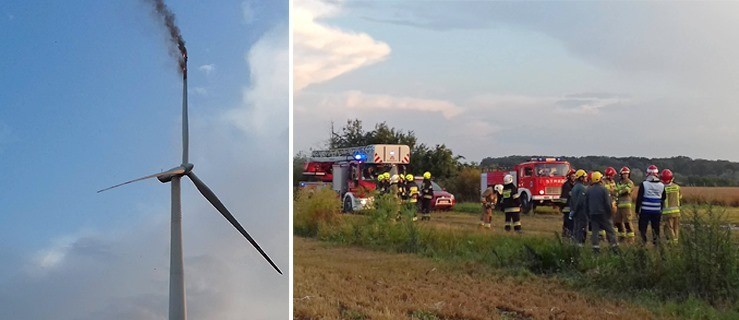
x=207, y=68
x=247, y=12
x=263, y=111
x=200, y=90
x=322, y=52
x=372, y=103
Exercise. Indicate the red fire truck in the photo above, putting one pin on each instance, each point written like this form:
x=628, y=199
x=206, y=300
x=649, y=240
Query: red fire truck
x=539, y=181
x=352, y=172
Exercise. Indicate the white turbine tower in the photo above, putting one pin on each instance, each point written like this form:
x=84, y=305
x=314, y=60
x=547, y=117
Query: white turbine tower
x=177, y=308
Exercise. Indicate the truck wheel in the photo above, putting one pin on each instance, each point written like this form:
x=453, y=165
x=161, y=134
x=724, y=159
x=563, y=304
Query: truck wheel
x=526, y=205
x=347, y=205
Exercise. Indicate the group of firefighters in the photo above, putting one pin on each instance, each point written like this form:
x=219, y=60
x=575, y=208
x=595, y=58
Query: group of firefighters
x=406, y=190
x=594, y=202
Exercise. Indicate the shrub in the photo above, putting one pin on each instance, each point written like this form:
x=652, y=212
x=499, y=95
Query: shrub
x=314, y=208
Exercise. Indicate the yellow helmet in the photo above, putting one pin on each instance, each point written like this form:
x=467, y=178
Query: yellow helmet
x=580, y=173
x=381, y=177
x=386, y=175
x=409, y=177
x=427, y=175
x=596, y=176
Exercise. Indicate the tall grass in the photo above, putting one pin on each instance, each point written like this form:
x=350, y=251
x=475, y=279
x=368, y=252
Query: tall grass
x=313, y=209
x=704, y=266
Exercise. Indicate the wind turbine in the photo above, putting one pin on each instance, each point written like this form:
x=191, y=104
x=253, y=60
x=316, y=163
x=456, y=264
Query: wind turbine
x=177, y=308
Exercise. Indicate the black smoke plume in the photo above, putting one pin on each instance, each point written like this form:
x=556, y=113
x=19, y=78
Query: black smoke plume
x=177, y=44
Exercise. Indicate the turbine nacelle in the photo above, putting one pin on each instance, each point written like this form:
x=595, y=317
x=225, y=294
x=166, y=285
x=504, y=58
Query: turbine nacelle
x=174, y=172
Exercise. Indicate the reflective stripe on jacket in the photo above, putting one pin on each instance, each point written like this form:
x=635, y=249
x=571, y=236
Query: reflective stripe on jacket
x=623, y=189
x=510, y=201
x=672, y=199
x=652, y=193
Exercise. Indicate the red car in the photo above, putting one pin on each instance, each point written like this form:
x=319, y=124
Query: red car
x=442, y=200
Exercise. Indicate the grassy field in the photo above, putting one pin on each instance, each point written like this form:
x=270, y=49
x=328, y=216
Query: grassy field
x=472, y=208
x=695, y=280
x=338, y=282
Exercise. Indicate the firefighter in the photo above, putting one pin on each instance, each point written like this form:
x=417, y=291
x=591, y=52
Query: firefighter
x=671, y=207
x=394, y=189
x=380, y=183
x=386, y=182
x=413, y=194
x=649, y=204
x=622, y=218
x=599, y=205
x=489, y=200
x=427, y=194
x=565, y=204
x=578, y=215
x=402, y=189
x=610, y=184
x=511, y=204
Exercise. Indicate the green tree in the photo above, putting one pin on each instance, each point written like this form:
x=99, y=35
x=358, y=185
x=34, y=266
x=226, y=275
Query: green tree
x=466, y=184
x=299, y=161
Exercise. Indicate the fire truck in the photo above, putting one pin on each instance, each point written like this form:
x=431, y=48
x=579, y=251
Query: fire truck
x=352, y=172
x=539, y=181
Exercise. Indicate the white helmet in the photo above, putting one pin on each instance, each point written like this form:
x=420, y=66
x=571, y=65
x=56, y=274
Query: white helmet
x=508, y=179
x=652, y=171
x=498, y=188
x=394, y=178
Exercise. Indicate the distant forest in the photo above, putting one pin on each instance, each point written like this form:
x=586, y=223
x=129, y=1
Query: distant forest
x=687, y=171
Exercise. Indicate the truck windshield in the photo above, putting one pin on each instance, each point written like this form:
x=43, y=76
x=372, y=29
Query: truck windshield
x=552, y=170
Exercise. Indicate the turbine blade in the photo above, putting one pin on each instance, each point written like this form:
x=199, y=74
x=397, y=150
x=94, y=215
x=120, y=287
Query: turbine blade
x=208, y=194
x=174, y=171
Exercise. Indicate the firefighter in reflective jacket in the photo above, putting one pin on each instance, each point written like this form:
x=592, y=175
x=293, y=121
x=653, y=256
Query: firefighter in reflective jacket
x=610, y=184
x=402, y=189
x=412, y=190
x=386, y=182
x=511, y=204
x=489, y=201
x=622, y=218
x=671, y=207
x=381, y=183
x=564, y=199
x=649, y=204
x=427, y=194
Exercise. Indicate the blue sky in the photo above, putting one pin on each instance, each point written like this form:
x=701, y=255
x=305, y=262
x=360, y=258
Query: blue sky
x=91, y=98
x=492, y=78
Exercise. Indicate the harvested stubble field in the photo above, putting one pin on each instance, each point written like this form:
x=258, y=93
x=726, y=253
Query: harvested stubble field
x=725, y=196
x=339, y=282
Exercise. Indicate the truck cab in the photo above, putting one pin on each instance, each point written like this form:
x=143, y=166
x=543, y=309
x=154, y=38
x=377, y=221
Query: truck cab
x=539, y=180
x=352, y=172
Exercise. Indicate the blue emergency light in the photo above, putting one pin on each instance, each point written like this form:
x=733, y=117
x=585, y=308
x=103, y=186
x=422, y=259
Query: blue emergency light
x=360, y=156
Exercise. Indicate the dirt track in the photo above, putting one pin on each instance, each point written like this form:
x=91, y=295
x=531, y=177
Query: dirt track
x=352, y=283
